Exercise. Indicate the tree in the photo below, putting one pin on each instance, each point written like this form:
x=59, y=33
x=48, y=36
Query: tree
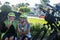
x=24, y=9
x=6, y=3
x=22, y=5
x=27, y=4
x=5, y=8
x=58, y=6
x=44, y=2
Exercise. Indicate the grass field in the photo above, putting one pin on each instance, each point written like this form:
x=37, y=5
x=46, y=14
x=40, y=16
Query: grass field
x=36, y=20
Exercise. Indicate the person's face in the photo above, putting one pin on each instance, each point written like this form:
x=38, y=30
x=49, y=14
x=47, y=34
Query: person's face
x=22, y=19
x=11, y=17
x=24, y=23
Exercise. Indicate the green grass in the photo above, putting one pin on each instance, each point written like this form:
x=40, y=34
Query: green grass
x=35, y=21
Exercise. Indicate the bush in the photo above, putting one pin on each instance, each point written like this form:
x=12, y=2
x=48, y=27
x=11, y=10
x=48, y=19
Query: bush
x=35, y=29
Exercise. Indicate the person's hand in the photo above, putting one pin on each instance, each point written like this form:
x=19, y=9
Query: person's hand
x=10, y=23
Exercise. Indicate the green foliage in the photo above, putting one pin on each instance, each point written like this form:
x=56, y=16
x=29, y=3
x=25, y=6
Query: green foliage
x=22, y=5
x=45, y=1
x=34, y=29
x=24, y=9
x=6, y=3
x=6, y=8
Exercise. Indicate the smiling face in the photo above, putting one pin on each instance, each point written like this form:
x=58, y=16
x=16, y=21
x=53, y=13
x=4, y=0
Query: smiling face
x=23, y=21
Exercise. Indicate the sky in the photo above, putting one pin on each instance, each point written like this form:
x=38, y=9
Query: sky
x=52, y=2
x=31, y=2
